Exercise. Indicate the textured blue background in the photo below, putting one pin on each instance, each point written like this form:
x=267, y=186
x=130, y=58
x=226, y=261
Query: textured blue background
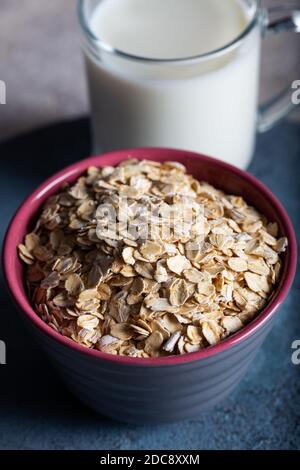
x=36, y=411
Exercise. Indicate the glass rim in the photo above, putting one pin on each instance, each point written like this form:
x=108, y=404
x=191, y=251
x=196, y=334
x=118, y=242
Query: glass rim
x=108, y=48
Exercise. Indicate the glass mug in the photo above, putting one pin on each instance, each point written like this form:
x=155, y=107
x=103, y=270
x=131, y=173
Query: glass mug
x=206, y=103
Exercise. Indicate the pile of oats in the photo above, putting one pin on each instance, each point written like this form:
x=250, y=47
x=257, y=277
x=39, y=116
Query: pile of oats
x=143, y=260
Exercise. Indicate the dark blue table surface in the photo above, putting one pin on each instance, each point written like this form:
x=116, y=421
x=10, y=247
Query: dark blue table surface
x=37, y=412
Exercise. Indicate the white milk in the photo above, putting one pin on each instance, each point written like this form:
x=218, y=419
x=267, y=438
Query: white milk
x=206, y=105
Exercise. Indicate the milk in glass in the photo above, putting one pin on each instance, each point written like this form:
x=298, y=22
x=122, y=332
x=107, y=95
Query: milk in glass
x=206, y=104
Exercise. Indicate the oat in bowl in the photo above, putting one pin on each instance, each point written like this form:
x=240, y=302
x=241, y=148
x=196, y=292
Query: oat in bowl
x=129, y=359
x=143, y=260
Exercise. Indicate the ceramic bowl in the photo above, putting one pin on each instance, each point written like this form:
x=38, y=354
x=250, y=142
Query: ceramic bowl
x=158, y=389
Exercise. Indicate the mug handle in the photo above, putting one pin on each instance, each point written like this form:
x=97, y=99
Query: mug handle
x=281, y=105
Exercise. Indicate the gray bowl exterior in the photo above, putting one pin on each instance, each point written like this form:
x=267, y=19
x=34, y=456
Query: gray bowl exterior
x=152, y=394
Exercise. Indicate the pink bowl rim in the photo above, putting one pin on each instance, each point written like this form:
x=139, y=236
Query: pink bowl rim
x=24, y=211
